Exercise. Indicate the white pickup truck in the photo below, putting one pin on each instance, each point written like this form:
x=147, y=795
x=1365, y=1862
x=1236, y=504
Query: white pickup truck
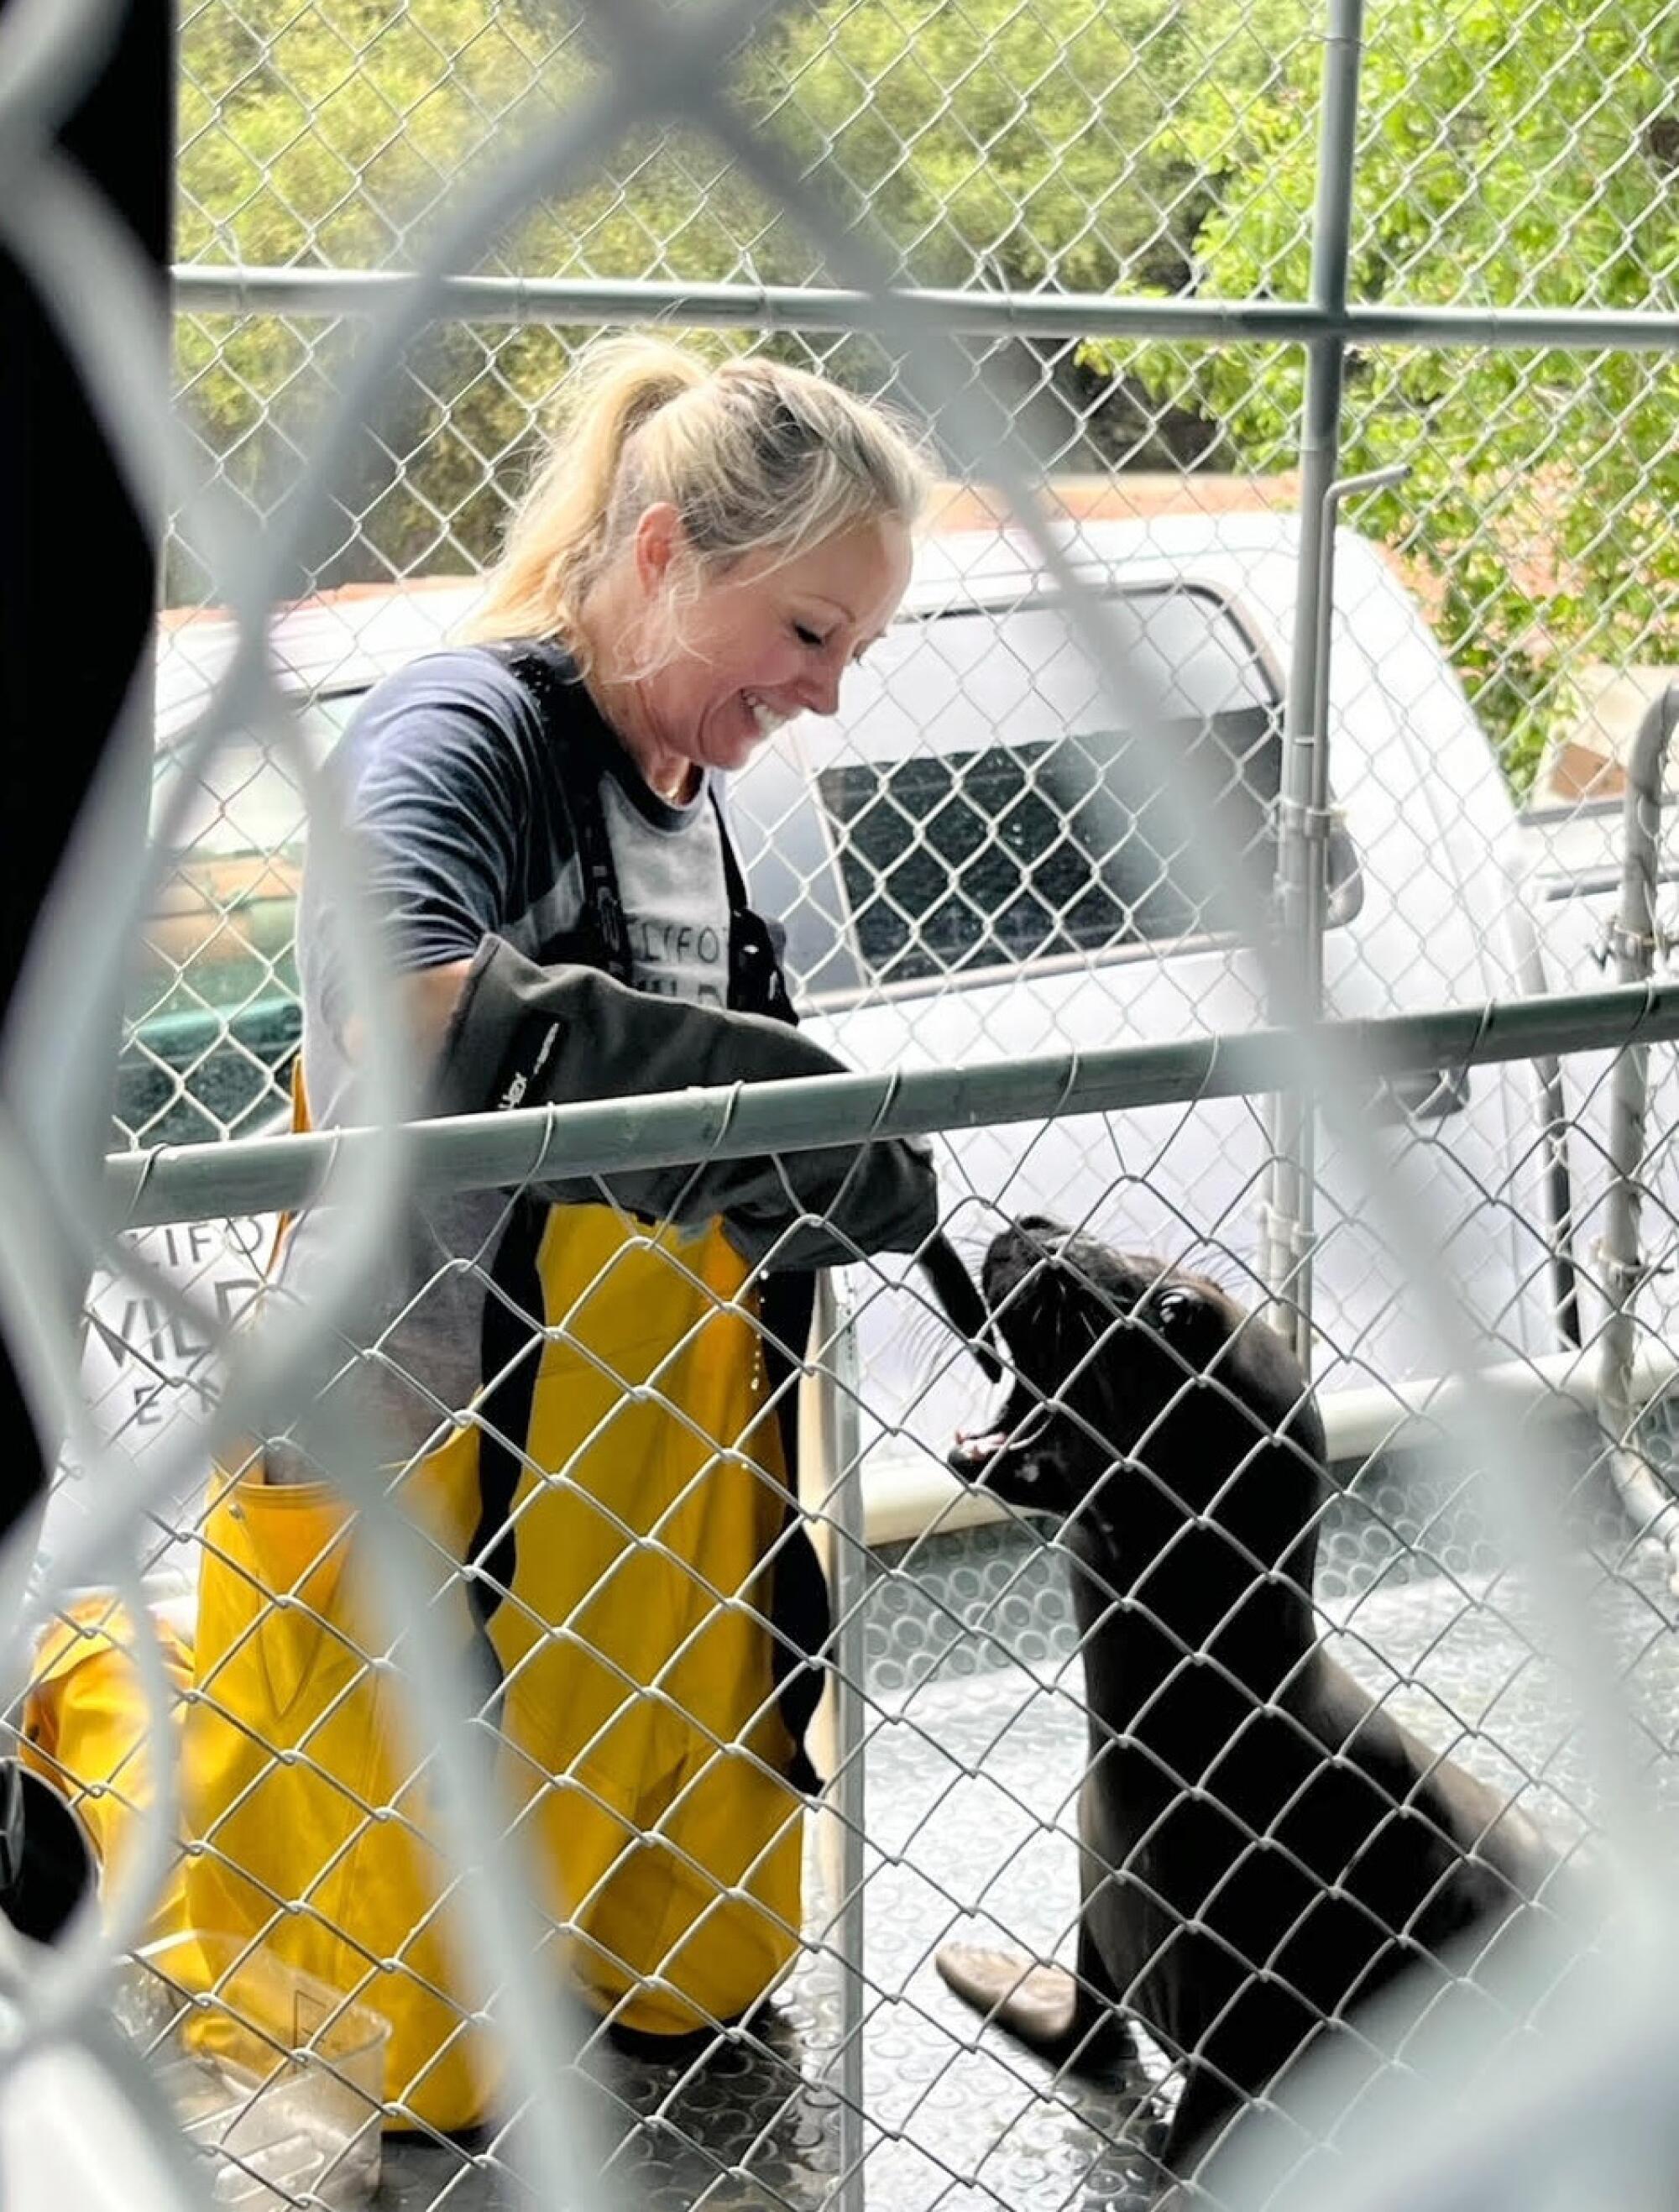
x=932, y=851
x=949, y=907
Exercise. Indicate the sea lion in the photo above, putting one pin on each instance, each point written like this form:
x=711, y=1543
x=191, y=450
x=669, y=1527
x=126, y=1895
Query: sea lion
x=1262, y=1846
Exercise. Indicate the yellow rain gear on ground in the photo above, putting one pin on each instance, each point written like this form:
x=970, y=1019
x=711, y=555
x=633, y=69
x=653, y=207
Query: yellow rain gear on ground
x=84, y=1728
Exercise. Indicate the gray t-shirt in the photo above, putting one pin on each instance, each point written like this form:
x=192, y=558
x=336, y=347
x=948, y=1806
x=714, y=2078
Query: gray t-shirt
x=455, y=786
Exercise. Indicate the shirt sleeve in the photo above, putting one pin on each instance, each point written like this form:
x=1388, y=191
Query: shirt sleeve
x=435, y=777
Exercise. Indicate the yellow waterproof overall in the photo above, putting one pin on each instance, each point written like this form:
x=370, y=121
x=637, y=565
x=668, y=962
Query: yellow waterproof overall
x=644, y=1750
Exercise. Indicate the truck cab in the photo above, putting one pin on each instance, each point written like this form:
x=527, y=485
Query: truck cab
x=975, y=863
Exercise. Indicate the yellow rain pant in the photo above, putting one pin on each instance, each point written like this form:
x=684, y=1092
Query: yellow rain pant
x=643, y=1749
x=84, y=1730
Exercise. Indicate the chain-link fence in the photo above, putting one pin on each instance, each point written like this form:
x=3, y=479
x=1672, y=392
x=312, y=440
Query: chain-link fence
x=962, y=1653
x=451, y=1815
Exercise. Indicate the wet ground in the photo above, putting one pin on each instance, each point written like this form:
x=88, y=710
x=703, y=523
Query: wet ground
x=975, y=1752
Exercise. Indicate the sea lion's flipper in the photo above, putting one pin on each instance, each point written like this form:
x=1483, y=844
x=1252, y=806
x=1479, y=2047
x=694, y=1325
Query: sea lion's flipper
x=1199, y=2120
x=1051, y=2011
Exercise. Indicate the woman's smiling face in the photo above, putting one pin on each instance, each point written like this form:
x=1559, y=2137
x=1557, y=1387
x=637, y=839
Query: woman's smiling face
x=768, y=638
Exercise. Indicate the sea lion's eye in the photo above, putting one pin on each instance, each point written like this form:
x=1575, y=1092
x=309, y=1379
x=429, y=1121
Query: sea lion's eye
x=1173, y=1308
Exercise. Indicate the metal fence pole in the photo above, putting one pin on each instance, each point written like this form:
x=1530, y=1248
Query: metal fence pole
x=1303, y=822
x=1636, y=941
x=491, y=1152
x=557, y=302
x=842, y=1458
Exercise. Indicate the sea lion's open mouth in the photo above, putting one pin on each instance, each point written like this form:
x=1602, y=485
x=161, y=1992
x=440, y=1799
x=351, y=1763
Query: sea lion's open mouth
x=1015, y=1421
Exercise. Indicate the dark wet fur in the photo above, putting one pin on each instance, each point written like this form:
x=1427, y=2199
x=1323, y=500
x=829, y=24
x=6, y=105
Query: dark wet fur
x=1176, y=1440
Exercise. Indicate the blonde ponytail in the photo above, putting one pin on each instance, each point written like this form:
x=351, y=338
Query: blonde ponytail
x=753, y=456
x=555, y=544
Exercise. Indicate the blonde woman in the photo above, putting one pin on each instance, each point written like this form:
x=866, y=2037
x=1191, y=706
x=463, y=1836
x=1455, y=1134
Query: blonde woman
x=577, y=1388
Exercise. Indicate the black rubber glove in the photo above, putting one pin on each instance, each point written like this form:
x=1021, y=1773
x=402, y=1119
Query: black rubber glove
x=526, y=1035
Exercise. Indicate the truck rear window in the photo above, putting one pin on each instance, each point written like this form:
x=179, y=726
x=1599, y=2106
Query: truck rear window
x=978, y=859
x=987, y=812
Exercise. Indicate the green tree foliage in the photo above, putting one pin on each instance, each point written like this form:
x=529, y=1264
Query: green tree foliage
x=327, y=135
x=1513, y=153
x=992, y=142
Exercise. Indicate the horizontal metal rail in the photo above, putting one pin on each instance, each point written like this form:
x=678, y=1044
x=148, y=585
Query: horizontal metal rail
x=905, y=1497
x=193, y=1182
x=238, y=289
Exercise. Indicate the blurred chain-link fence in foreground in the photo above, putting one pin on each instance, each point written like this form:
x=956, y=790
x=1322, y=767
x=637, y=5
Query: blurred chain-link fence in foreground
x=1237, y=890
